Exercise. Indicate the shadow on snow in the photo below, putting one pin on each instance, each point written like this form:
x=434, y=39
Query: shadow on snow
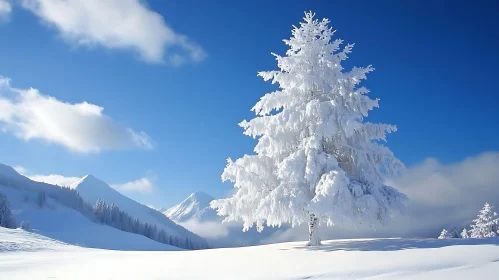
x=395, y=244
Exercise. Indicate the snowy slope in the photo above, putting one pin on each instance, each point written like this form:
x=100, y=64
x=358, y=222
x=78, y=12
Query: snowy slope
x=196, y=206
x=63, y=223
x=91, y=189
x=13, y=240
x=59, y=222
x=341, y=259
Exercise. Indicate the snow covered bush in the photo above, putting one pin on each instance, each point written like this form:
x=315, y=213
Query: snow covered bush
x=445, y=234
x=486, y=223
x=6, y=218
x=317, y=160
x=25, y=225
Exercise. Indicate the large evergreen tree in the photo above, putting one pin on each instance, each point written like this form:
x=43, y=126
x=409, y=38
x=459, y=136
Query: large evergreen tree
x=316, y=160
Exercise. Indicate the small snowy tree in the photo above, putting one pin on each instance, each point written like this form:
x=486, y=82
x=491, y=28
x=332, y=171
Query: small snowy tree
x=6, y=218
x=445, y=234
x=316, y=160
x=464, y=233
x=485, y=225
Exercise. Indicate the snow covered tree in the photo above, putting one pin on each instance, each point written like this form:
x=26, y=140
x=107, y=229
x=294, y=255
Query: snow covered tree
x=115, y=216
x=445, y=234
x=464, y=233
x=316, y=159
x=6, y=218
x=99, y=210
x=485, y=225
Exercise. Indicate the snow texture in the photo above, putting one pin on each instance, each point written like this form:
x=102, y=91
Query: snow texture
x=25, y=255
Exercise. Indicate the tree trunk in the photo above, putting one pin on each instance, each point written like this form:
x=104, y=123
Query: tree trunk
x=313, y=235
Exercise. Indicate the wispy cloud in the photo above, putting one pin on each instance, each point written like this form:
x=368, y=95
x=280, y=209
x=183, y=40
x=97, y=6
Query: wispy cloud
x=5, y=10
x=80, y=127
x=143, y=185
x=53, y=179
x=117, y=24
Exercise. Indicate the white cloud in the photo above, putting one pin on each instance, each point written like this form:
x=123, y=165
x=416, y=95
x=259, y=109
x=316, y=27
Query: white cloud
x=142, y=185
x=80, y=127
x=440, y=196
x=5, y=10
x=53, y=179
x=447, y=195
x=117, y=24
x=20, y=169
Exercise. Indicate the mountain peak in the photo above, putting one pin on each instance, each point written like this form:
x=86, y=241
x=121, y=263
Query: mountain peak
x=200, y=196
x=88, y=179
x=89, y=182
x=8, y=171
x=196, y=205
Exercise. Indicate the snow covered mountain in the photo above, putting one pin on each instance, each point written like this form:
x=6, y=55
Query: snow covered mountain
x=58, y=220
x=195, y=214
x=196, y=206
x=63, y=219
x=91, y=189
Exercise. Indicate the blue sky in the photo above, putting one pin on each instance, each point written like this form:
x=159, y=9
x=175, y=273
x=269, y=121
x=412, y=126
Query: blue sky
x=436, y=72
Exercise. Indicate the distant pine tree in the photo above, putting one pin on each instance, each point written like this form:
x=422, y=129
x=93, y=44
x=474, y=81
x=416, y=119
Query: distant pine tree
x=485, y=225
x=445, y=234
x=6, y=218
x=464, y=233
